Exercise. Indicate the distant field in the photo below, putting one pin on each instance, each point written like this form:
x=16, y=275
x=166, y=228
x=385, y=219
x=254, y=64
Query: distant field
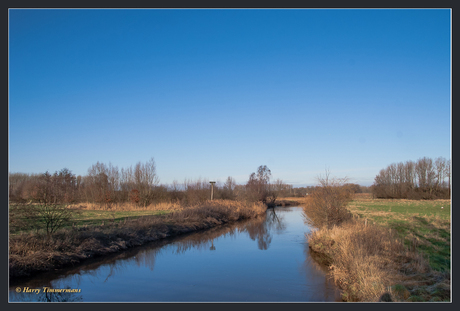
x=365, y=205
x=424, y=225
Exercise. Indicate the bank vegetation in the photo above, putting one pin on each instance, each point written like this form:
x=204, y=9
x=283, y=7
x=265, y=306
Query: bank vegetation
x=367, y=261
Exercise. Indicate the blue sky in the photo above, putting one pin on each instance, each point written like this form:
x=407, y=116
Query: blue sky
x=216, y=93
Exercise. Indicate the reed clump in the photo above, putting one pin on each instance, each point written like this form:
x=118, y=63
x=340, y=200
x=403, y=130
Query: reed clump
x=369, y=262
x=34, y=252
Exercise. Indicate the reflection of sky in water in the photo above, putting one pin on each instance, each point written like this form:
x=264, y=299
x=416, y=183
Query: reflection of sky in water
x=258, y=260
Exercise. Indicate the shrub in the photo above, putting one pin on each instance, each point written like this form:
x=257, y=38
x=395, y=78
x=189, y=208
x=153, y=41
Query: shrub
x=326, y=205
x=49, y=217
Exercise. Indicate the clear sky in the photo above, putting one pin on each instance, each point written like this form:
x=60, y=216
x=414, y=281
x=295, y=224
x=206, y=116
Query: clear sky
x=216, y=93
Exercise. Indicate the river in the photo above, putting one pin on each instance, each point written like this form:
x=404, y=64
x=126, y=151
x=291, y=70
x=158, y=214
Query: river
x=259, y=260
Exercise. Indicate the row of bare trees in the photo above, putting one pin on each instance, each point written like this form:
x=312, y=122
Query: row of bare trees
x=107, y=184
x=46, y=188
x=104, y=184
x=424, y=179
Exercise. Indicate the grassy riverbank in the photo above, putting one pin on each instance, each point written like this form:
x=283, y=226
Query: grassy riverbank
x=398, y=247
x=422, y=225
x=32, y=252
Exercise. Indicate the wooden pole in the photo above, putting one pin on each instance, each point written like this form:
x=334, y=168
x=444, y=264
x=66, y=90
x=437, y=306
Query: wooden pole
x=212, y=188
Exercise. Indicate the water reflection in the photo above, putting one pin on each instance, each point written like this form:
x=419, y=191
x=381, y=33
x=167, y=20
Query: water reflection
x=224, y=261
x=261, y=230
x=318, y=271
x=47, y=294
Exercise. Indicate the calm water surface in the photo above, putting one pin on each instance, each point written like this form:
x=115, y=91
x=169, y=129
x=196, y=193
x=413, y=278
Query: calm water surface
x=260, y=260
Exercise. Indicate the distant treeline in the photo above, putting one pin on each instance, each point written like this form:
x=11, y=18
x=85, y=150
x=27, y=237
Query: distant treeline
x=303, y=191
x=424, y=179
x=107, y=184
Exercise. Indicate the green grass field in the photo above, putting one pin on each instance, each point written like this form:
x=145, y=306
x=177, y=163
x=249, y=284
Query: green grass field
x=424, y=225
x=80, y=218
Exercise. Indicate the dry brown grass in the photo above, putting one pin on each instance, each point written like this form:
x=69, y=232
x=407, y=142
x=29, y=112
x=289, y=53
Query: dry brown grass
x=300, y=200
x=33, y=252
x=368, y=261
x=127, y=206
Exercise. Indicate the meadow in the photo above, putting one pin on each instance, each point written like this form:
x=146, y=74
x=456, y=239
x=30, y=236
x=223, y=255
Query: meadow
x=422, y=224
x=88, y=214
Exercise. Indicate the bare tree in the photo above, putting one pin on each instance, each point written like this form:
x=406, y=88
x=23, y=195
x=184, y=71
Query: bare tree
x=409, y=177
x=440, y=165
x=97, y=184
x=228, y=188
x=126, y=181
x=447, y=172
x=17, y=184
x=113, y=178
x=64, y=186
x=257, y=187
x=145, y=179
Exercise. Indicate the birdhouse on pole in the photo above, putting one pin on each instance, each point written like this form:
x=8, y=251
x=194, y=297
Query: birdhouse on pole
x=212, y=188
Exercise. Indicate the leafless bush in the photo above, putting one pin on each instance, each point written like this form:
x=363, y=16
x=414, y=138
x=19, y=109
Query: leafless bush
x=326, y=205
x=54, y=217
x=50, y=217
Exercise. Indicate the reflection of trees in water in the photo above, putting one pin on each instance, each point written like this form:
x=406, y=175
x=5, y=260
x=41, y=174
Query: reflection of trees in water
x=46, y=296
x=260, y=232
x=139, y=257
x=204, y=240
x=60, y=297
x=259, y=229
x=275, y=221
x=97, y=269
x=114, y=263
